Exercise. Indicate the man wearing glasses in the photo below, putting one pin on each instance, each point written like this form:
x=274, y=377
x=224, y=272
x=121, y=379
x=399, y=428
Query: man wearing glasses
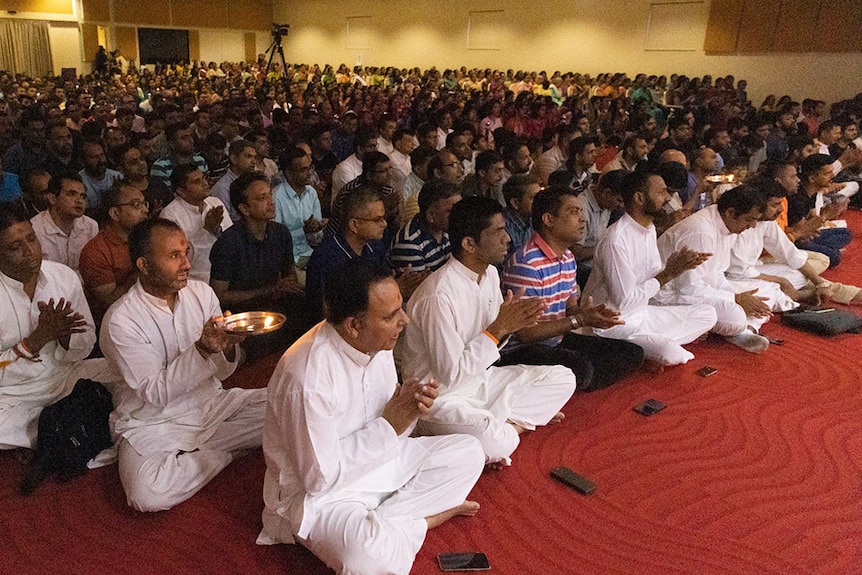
x=105, y=267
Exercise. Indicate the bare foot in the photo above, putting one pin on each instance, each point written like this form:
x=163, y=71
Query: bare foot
x=468, y=509
x=517, y=427
x=558, y=417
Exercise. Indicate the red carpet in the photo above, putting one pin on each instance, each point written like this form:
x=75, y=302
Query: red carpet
x=753, y=470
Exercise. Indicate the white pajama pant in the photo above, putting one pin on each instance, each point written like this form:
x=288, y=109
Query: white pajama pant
x=374, y=533
x=526, y=395
x=662, y=331
x=161, y=480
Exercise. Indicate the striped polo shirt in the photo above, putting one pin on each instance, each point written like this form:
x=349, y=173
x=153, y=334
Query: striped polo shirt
x=415, y=245
x=542, y=273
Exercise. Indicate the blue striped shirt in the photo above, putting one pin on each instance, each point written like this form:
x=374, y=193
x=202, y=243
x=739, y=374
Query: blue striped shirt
x=542, y=273
x=415, y=245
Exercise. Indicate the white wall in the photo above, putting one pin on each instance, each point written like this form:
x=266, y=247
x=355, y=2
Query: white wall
x=588, y=36
x=65, y=40
x=222, y=45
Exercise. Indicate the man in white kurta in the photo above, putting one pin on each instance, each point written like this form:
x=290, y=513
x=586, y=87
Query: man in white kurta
x=788, y=272
x=193, y=209
x=178, y=426
x=341, y=478
x=628, y=273
x=451, y=337
x=35, y=372
x=713, y=230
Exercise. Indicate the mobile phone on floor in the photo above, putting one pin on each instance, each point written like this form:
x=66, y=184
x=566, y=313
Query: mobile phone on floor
x=706, y=371
x=463, y=561
x=649, y=407
x=577, y=482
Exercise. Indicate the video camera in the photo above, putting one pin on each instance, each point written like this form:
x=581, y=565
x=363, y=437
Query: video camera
x=280, y=30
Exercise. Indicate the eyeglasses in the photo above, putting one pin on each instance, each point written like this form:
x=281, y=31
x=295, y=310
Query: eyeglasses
x=136, y=205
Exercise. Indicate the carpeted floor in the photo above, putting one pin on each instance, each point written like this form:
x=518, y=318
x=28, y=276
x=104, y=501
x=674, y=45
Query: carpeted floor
x=755, y=470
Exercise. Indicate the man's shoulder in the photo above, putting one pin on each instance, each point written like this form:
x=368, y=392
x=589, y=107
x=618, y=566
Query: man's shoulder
x=60, y=273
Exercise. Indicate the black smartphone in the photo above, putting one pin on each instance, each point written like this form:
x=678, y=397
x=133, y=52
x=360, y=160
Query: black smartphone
x=463, y=562
x=649, y=407
x=577, y=482
x=706, y=371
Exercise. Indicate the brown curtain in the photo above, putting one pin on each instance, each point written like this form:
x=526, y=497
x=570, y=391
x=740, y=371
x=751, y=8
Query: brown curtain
x=24, y=47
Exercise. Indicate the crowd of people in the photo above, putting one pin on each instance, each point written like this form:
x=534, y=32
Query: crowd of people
x=456, y=252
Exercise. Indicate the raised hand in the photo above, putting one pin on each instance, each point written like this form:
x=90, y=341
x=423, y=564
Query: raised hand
x=516, y=313
x=410, y=400
x=56, y=322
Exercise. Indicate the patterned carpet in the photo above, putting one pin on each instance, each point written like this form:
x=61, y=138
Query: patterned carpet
x=755, y=470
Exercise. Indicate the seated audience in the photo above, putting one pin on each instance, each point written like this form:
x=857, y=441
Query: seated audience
x=96, y=176
x=628, y=272
x=458, y=317
x=376, y=175
x=34, y=191
x=352, y=167
x=545, y=269
x=63, y=229
x=47, y=331
x=252, y=261
x=181, y=152
x=519, y=192
x=344, y=476
x=487, y=179
x=713, y=231
x=133, y=167
x=420, y=158
x=243, y=158
x=597, y=202
x=297, y=206
x=202, y=217
x=423, y=243
x=363, y=223
x=177, y=426
x=788, y=268
x=105, y=267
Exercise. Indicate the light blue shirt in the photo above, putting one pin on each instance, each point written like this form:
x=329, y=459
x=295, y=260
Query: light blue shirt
x=97, y=188
x=292, y=209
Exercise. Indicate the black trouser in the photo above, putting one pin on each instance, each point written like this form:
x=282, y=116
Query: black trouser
x=597, y=362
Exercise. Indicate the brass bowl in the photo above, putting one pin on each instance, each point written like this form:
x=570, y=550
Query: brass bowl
x=253, y=322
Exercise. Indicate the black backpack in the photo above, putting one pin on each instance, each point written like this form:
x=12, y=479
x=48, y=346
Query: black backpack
x=70, y=433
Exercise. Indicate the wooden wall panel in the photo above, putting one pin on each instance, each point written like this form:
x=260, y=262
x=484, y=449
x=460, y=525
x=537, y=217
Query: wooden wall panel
x=90, y=39
x=796, y=23
x=757, y=29
x=250, y=40
x=127, y=42
x=194, y=45
x=250, y=15
x=839, y=26
x=722, y=29
x=199, y=13
x=38, y=6
x=96, y=10
x=155, y=13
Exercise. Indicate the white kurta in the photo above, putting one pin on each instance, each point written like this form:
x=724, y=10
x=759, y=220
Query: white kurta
x=25, y=386
x=346, y=171
x=201, y=242
x=57, y=246
x=336, y=466
x=171, y=399
x=444, y=339
x=745, y=263
x=624, y=268
x=705, y=231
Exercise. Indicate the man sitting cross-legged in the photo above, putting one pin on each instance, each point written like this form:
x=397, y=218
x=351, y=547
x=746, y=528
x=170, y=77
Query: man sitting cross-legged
x=344, y=477
x=544, y=268
x=46, y=333
x=628, y=273
x=178, y=426
x=458, y=319
x=713, y=231
x=789, y=269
